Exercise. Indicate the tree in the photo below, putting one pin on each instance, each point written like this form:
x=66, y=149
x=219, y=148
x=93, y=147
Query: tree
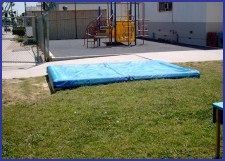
x=47, y=6
x=19, y=21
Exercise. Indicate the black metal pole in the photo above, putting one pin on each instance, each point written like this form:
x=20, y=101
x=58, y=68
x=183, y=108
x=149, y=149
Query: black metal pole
x=128, y=33
x=36, y=35
x=99, y=13
x=41, y=7
x=108, y=21
x=115, y=21
x=25, y=14
x=107, y=11
x=44, y=7
x=130, y=10
x=76, y=18
x=135, y=27
x=111, y=8
x=143, y=21
x=138, y=17
x=111, y=12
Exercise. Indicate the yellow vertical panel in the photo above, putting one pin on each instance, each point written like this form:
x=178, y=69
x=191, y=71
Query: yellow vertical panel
x=125, y=31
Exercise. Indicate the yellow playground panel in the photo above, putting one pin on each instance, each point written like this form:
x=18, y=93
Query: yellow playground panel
x=124, y=31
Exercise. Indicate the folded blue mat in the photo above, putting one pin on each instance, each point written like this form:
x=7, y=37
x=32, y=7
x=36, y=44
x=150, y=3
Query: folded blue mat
x=218, y=105
x=64, y=76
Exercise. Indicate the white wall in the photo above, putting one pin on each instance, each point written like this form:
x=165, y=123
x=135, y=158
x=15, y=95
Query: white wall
x=152, y=13
x=214, y=12
x=182, y=12
x=189, y=11
x=83, y=6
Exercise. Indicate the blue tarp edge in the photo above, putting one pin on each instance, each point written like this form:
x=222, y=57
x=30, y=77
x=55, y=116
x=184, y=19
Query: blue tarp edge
x=119, y=75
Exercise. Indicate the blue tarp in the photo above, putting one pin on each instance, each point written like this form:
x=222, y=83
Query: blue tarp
x=218, y=105
x=63, y=76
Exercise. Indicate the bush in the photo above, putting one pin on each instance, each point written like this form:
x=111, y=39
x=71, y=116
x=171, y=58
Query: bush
x=7, y=29
x=19, y=31
x=20, y=39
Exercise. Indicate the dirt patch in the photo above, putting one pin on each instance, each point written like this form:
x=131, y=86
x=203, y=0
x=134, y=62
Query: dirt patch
x=18, y=91
x=42, y=85
x=14, y=81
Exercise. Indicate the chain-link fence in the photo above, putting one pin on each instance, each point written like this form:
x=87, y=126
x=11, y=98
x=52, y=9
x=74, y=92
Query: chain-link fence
x=42, y=32
x=25, y=39
x=19, y=40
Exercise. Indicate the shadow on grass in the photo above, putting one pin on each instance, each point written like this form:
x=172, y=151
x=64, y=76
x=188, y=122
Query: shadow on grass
x=53, y=90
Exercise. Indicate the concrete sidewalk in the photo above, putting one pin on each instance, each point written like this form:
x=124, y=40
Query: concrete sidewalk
x=172, y=57
x=15, y=55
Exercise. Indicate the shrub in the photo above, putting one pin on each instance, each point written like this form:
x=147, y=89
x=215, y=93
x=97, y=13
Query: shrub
x=19, y=31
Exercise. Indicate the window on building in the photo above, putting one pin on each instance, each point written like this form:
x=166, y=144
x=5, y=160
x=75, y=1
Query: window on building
x=165, y=6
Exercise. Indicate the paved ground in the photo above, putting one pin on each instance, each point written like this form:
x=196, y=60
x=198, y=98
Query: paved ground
x=173, y=57
x=15, y=55
x=67, y=49
x=19, y=61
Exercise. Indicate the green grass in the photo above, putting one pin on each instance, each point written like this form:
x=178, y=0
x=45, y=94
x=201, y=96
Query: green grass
x=141, y=119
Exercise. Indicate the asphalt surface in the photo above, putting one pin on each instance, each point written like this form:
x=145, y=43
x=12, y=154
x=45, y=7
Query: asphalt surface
x=172, y=57
x=67, y=49
x=151, y=50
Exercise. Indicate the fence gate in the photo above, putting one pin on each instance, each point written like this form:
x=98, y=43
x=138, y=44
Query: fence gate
x=19, y=41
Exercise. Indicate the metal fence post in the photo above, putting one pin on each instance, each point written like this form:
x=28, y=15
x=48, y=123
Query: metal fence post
x=46, y=35
x=43, y=36
x=36, y=36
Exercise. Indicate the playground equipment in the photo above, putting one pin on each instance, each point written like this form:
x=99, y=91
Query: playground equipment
x=125, y=28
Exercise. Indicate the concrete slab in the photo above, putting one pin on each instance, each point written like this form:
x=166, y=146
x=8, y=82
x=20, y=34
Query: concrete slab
x=185, y=56
x=172, y=57
x=157, y=51
x=15, y=56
